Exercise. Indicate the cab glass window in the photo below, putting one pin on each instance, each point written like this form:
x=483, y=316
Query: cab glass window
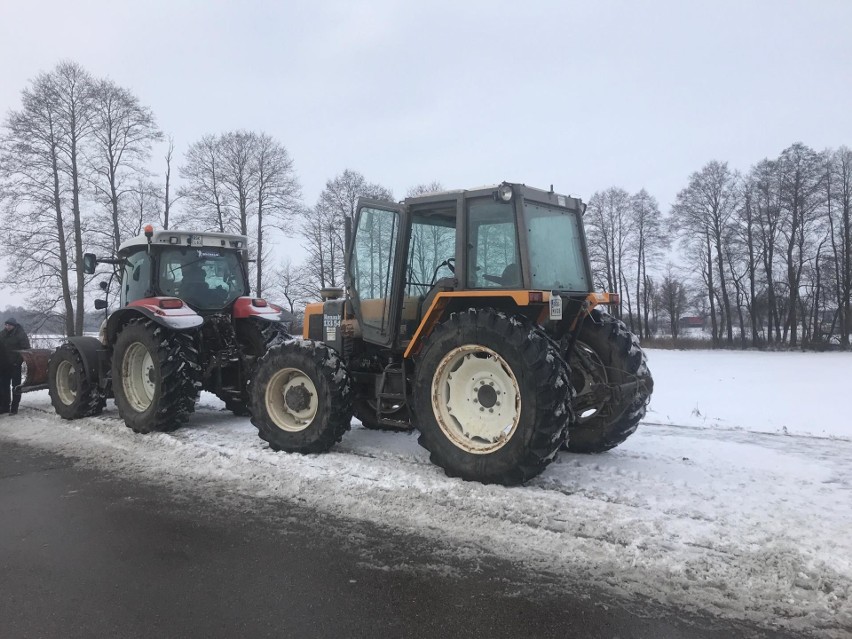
x=431, y=250
x=555, y=244
x=206, y=278
x=372, y=264
x=493, y=260
x=136, y=278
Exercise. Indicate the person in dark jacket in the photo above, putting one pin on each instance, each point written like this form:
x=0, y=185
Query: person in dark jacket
x=5, y=378
x=14, y=338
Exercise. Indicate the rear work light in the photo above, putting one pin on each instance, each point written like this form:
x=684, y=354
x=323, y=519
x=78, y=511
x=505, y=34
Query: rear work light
x=614, y=298
x=259, y=302
x=171, y=302
x=536, y=296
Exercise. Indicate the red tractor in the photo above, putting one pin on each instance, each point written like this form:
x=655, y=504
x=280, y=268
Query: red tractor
x=186, y=322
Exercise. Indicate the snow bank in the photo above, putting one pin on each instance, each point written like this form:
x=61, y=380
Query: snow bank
x=711, y=517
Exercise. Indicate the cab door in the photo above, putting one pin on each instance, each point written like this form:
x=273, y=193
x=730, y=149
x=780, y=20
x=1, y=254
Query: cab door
x=375, y=264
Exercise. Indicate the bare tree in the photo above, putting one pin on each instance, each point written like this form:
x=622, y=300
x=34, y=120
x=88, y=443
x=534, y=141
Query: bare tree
x=167, y=198
x=766, y=201
x=608, y=224
x=74, y=91
x=207, y=202
x=702, y=213
x=673, y=300
x=802, y=175
x=840, y=221
x=647, y=243
x=42, y=179
x=236, y=151
x=277, y=193
x=323, y=227
x=289, y=284
x=123, y=131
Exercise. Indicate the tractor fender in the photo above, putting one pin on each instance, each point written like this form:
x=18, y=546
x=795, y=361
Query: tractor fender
x=181, y=318
x=255, y=307
x=88, y=348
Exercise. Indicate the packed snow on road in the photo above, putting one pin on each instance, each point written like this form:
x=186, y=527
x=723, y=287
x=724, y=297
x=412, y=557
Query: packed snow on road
x=733, y=498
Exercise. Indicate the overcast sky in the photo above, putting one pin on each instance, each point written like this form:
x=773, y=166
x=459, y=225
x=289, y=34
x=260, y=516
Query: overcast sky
x=581, y=95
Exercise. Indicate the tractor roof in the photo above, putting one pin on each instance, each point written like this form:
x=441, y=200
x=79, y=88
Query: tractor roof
x=186, y=238
x=527, y=192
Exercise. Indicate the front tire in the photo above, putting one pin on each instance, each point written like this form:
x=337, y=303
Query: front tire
x=154, y=377
x=607, y=353
x=72, y=393
x=301, y=397
x=492, y=397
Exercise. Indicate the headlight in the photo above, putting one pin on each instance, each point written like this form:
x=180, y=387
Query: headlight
x=504, y=192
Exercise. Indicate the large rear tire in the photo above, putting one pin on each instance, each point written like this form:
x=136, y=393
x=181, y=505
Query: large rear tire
x=154, y=377
x=72, y=393
x=301, y=397
x=491, y=397
x=607, y=352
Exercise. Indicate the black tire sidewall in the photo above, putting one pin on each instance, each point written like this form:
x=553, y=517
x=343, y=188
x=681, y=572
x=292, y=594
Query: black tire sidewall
x=334, y=402
x=513, y=462
x=77, y=408
x=613, y=344
x=132, y=334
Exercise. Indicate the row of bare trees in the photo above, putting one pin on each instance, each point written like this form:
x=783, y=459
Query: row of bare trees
x=241, y=182
x=72, y=171
x=766, y=255
x=75, y=176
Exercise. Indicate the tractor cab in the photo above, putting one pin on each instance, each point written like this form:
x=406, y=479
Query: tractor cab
x=205, y=270
x=508, y=245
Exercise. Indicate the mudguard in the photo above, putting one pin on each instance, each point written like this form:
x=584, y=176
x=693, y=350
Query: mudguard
x=255, y=307
x=181, y=318
x=88, y=348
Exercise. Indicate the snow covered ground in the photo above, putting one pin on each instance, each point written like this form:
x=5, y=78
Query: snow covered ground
x=733, y=498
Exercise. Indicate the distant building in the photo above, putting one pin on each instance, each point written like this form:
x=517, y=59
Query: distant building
x=695, y=321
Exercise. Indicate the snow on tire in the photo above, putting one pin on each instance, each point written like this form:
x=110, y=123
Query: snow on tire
x=607, y=352
x=154, y=376
x=301, y=397
x=491, y=397
x=72, y=393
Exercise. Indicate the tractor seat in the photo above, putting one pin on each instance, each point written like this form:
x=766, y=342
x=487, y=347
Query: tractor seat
x=442, y=285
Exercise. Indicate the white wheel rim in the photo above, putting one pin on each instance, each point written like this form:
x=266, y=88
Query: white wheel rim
x=137, y=373
x=66, y=384
x=291, y=400
x=476, y=399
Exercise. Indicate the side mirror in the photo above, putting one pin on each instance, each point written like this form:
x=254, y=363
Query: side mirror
x=90, y=261
x=100, y=305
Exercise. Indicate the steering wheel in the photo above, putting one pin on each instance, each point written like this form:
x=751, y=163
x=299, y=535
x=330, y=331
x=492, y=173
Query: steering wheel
x=450, y=263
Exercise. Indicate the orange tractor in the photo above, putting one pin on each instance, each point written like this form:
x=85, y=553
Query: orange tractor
x=469, y=317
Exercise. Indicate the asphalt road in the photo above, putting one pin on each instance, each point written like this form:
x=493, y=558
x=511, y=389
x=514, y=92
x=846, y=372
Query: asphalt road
x=87, y=554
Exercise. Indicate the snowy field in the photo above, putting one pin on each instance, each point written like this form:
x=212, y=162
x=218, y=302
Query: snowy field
x=733, y=498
